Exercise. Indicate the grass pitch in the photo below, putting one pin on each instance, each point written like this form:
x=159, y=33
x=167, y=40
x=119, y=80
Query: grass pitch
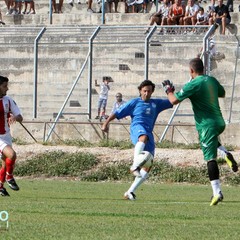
x=69, y=210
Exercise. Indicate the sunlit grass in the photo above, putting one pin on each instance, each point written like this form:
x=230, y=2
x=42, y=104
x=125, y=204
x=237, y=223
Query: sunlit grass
x=61, y=210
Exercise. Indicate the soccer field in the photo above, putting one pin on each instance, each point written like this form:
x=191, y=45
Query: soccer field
x=64, y=209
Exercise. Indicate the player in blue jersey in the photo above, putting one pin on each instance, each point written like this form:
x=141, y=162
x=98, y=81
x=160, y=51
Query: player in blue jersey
x=143, y=111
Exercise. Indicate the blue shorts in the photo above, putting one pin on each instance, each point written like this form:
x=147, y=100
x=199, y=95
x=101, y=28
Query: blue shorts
x=138, y=130
x=102, y=103
x=219, y=21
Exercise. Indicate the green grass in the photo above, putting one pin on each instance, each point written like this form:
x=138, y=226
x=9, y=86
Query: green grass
x=69, y=210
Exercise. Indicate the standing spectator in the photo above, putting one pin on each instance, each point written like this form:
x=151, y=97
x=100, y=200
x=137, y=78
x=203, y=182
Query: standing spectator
x=203, y=92
x=110, y=5
x=10, y=113
x=31, y=7
x=1, y=20
x=10, y=5
x=90, y=6
x=103, y=97
x=191, y=12
x=143, y=111
x=119, y=102
x=202, y=17
x=221, y=16
x=57, y=8
x=176, y=13
x=160, y=17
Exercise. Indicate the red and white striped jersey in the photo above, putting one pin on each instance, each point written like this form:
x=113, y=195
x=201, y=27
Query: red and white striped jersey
x=7, y=106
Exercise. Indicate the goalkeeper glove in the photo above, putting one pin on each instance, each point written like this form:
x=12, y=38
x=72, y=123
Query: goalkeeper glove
x=168, y=86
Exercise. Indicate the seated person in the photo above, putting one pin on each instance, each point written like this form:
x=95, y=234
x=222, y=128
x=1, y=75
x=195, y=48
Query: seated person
x=176, y=13
x=119, y=102
x=221, y=16
x=202, y=17
x=160, y=17
x=191, y=12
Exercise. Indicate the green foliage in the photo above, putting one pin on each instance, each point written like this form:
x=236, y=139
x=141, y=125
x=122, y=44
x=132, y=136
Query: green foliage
x=19, y=141
x=56, y=163
x=164, y=172
x=168, y=144
x=113, y=172
x=86, y=167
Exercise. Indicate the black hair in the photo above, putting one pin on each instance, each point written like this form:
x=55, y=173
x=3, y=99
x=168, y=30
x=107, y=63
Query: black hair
x=3, y=79
x=197, y=65
x=146, y=83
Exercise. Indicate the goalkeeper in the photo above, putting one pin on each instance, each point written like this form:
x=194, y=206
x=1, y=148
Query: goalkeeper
x=203, y=92
x=143, y=111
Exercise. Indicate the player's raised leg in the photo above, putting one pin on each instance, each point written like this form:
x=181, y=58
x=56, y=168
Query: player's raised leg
x=225, y=154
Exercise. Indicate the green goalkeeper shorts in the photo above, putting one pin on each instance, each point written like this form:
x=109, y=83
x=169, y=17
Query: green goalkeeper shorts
x=208, y=138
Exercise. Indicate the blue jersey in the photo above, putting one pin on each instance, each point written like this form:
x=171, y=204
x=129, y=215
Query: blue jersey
x=143, y=117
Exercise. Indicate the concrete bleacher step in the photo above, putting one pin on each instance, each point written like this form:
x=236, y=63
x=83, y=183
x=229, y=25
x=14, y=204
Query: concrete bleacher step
x=61, y=69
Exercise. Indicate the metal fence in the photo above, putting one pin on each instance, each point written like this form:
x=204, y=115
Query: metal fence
x=60, y=65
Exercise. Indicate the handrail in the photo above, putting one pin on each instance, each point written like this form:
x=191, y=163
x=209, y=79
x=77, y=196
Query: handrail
x=67, y=98
x=234, y=80
x=35, y=80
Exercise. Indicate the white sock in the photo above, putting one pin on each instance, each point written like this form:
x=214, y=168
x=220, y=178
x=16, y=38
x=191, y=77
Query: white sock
x=215, y=186
x=139, y=147
x=138, y=180
x=222, y=151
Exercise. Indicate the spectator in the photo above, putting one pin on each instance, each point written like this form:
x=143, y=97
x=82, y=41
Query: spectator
x=191, y=12
x=110, y=5
x=103, y=97
x=17, y=7
x=160, y=17
x=176, y=13
x=1, y=20
x=144, y=6
x=57, y=8
x=119, y=102
x=31, y=7
x=221, y=16
x=202, y=17
x=10, y=5
x=90, y=6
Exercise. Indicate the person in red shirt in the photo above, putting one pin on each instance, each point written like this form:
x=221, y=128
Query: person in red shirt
x=176, y=13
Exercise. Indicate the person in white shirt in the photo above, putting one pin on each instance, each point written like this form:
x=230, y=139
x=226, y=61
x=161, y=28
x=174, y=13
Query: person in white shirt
x=191, y=12
x=202, y=17
x=103, y=97
x=160, y=17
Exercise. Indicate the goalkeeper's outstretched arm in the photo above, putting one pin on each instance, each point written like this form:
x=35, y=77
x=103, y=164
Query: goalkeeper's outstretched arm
x=172, y=98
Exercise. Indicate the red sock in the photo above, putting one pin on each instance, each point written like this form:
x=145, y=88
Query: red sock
x=2, y=176
x=9, y=168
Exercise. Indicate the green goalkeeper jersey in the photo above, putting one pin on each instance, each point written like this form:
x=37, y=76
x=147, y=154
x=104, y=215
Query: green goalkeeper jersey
x=203, y=92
